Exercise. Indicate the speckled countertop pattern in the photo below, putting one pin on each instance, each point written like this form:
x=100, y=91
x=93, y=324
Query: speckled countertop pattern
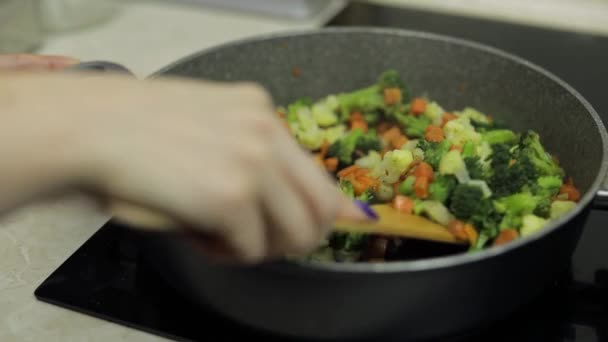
x=34, y=241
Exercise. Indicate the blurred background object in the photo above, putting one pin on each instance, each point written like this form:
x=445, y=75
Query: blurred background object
x=297, y=9
x=20, y=29
x=57, y=15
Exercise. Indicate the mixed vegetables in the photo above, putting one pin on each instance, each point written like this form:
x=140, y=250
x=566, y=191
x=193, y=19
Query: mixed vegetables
x=487, y=184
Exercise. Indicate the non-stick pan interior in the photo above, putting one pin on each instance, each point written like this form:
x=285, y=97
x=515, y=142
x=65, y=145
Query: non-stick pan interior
x=454, y=73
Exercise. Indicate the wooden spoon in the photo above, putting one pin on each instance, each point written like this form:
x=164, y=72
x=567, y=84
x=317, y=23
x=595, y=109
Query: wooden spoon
x=390, y=222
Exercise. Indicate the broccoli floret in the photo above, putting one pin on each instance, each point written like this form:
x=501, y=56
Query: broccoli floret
x=369, y=142
x=344, y=148
x=531, y=147
x=500, y=136
x=347, y=188
x=468, y=149
x=486, y=219
x=367, y=196
x=366, y=100
x=543, y=209
x=516, y=206
x=392, y=79
x=545, y=189
x=465, y=201
x=550, y=184
x=347, y=246
x=293, y=108
x=453, y=164
x=414, y=126
x=441, y=188
x=509, y=173
x=407, y=186
x=433, y=151
x=474, y=167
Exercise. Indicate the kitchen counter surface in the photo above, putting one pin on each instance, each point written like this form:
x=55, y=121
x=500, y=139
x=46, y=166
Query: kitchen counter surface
x=34, y=241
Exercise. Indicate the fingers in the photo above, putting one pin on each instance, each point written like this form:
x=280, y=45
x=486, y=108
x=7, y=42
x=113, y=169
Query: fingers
x=292, y=228
x=22, y=62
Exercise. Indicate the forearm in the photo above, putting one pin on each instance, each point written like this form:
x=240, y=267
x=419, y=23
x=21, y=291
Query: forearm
x=38, y=144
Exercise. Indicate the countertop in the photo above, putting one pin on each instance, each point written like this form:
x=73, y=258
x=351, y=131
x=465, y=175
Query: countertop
x=144, y=36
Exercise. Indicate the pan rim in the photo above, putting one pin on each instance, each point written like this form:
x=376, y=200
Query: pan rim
x=443, y=261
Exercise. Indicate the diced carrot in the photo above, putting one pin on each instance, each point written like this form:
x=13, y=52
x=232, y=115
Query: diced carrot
x=471, y=233
x=403, y=204
x=456, y=148
x=433, y=133
x=280, y=114
x=347, y=171
x=383, y=127
x=421, y=187
x=512, y=162
x=368, y=182
x=391, y=134
x=418, y=106
x=356, y=116
x=361, y=124
x=392, y=96
x=331, y=164
x=359, y=186
x=505, y=237
x=456, y=227
x=399, y=141
x=571, y=191
x=447, y=117
x=361, y=172
x=570, y=181
x=424, y=170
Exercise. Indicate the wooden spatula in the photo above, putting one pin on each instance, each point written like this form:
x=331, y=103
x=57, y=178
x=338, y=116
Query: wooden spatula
x=390, y=222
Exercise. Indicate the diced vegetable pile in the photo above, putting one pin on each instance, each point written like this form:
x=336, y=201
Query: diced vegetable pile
x=487, y=184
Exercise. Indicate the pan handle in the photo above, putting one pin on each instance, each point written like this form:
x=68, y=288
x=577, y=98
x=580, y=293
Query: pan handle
x=101, y=66
x=601, y=199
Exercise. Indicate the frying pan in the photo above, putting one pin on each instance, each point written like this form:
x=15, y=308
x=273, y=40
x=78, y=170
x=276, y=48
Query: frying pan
x=420, y=299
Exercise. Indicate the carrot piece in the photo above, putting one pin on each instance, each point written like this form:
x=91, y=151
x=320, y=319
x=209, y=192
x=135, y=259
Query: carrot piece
x=359, y=187
x=456, y=227
x=471, y=233
x=319, y=159
x=433, y=133
x=505, y=237
x=391, y=134
x=421, y=187
x=383, y=127
x=403, y=204
x=392, y=96
x=424, y=170
x=361, y=124
x=280, y=114
x=456, y=148
x=418, y=106
x=571, y=191
x=347, y=171
x=399, y=141
x=361, y=172
x=356, y=116
x=447, y=117
x=331, y=164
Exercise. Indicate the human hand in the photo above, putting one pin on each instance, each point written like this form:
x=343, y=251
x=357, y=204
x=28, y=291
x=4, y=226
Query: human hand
x=213, y=157
x=30, y=62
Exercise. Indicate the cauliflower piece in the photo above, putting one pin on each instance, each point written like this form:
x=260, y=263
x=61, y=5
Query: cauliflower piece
x=370, y=161
x=531, y=224
x=323, y=114
x=437, y=212
x=559, y=208
x=332, y=134
x=453, y=164
x=392, y=166
x=460, y=130
x=385, y=192
x=434, y=112
x=311, y=139
x=474, y=115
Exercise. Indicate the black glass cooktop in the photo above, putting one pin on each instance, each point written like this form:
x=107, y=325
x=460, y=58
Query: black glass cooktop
x=106, y=278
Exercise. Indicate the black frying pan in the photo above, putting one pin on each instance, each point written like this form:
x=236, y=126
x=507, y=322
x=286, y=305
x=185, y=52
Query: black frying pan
x=419, y=299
